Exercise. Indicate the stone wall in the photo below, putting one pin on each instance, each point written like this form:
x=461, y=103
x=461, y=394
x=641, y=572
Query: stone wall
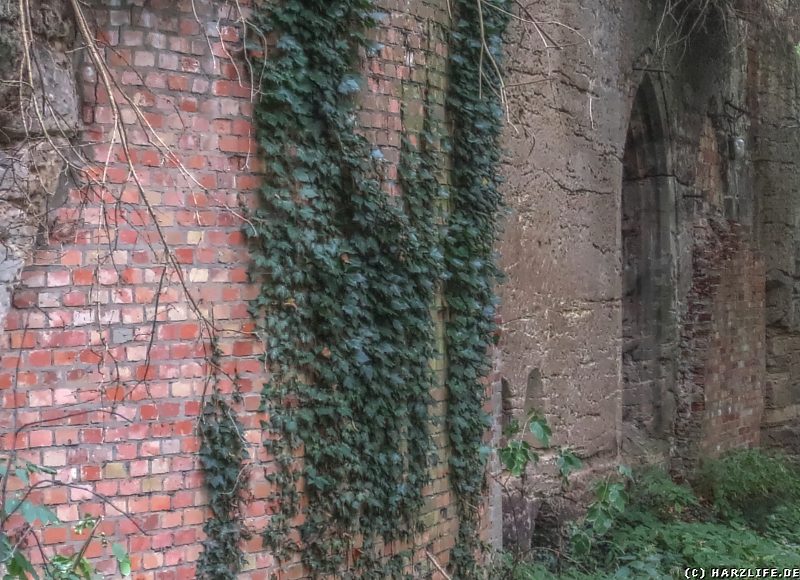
x=39, y=116
x=775, y=78
x=645, y=170
x=560, y=250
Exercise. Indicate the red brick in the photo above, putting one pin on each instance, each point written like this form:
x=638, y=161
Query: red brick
x=90, y=350
x=40, y=438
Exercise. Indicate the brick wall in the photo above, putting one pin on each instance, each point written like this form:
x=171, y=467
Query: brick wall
x=104, y=361
x=723, y=342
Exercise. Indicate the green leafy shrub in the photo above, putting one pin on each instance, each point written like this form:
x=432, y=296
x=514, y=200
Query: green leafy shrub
x=673, y=546
x=783, y=524
x=18, y=498
x=611, y=501
x=655, y=492
x=748, y=482
x=742, y=511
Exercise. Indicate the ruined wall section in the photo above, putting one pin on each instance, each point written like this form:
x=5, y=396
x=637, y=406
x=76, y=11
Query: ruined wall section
x=560, y=250
x=39, y=117
x=734, y=396
x=721, y=398
x=720, y=384
x=104, y=358
x=563, y=248
x=776, y=142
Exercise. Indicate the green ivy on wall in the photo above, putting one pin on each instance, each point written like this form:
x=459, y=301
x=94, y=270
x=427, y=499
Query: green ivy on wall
x=348, y=278
x=476, y=117
x=223, y=452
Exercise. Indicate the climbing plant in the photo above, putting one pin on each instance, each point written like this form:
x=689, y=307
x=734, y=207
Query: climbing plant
x=223, y=452
x=476, y=114
x=349, y=276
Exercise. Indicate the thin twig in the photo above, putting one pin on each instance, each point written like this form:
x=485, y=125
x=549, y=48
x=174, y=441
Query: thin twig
x=438, y=566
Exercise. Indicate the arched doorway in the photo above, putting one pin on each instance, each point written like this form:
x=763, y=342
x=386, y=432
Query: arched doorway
x=649, y=320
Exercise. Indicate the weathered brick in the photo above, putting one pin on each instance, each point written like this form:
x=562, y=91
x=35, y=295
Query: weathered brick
x=91, y=304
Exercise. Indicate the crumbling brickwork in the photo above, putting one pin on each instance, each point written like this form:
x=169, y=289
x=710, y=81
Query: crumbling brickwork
x=39, y=115
x=721, y=394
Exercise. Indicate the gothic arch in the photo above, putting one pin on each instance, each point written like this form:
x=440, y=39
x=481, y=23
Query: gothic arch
x=649, y=313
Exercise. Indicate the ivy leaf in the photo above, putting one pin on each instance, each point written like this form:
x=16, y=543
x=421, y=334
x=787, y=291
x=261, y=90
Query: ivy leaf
x=301, y=175
x=32, y=512
x=6, y=549
x=567, y=463
x=123, y=559
x=349, y=86
x=22, y=474
x=375, y=48
x=308, y=192
x=541, y=430
x=287, y=43
x=378, y=16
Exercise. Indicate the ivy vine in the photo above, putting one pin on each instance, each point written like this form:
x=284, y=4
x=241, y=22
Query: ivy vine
x=350, y=274
x=223, y=452
x=476, y=116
